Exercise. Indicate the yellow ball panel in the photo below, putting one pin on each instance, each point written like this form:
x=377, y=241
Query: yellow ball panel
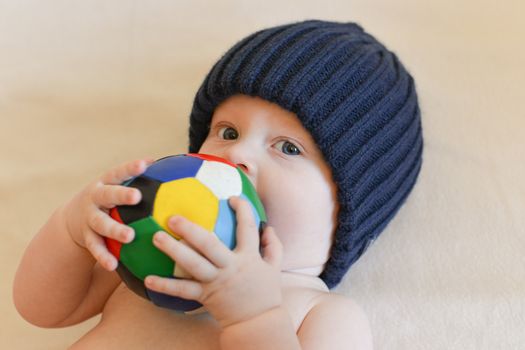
x=186, y=197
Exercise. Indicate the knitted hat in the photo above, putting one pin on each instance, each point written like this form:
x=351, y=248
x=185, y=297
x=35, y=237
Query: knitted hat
x=353, y=96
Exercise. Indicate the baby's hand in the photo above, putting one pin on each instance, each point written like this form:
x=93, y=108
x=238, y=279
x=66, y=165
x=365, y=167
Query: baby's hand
x=234, y=286
x=87, y=216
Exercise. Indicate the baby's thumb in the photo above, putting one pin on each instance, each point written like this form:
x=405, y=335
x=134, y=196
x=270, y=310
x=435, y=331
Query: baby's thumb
x=272, y=248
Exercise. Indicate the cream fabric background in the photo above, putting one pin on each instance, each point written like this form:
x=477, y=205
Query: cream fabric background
x=85, y=85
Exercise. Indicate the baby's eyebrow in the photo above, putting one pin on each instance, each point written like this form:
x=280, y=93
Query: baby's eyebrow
x=212, y=123
x=297, y=135
x=218, y=119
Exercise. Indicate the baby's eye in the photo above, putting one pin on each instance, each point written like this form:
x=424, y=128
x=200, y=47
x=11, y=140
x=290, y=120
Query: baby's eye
x=288, y=148
x=228, y=133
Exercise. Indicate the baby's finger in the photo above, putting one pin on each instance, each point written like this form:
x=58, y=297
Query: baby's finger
x=203, y=241
x=108, y=196
x=247, y=231
x=104, y=225
x=96, y=246
x=272, y=248
x=192, y=262
x=182, y=288
x=126, y=171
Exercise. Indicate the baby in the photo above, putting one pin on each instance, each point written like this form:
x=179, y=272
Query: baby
x=325, y=122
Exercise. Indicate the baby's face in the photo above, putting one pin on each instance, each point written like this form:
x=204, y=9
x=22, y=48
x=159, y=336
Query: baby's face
x=286, y=167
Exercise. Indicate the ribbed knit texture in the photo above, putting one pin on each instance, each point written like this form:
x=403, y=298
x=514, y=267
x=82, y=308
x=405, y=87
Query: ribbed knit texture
x=356, y=99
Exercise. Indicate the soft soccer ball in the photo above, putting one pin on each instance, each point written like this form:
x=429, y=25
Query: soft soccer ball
x=195, y=186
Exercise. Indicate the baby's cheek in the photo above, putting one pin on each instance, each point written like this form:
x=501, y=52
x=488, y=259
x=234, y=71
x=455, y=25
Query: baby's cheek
x=304, y=219
x=293, y=218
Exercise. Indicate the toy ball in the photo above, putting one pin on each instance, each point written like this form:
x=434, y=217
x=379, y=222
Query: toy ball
x=196, y=186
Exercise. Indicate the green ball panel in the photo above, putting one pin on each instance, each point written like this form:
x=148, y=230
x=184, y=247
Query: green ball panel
x=249, y=191
x=140, y=256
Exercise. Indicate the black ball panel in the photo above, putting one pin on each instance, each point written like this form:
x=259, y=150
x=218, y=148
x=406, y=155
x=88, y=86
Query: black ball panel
x=134, y=283
x=148, y=187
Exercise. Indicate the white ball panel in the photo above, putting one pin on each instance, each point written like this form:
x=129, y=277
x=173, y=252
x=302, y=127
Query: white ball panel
x=222, y=179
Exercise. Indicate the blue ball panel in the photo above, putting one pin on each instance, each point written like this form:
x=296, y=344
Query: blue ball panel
x=225, y=225
x=173, y=168
x=226, y=221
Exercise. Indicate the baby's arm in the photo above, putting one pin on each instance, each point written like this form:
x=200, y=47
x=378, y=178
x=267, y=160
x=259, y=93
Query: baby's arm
x=66, y=273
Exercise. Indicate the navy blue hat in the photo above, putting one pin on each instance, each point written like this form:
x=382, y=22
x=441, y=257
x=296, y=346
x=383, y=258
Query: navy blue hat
x=356, y=99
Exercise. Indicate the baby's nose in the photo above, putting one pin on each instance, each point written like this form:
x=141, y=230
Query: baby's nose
x=243, y=167
x=249, y=171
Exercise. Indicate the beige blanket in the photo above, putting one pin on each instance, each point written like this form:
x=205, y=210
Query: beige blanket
x=85, y=85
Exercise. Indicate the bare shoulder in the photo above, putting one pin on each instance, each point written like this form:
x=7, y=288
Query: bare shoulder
x=335, y=322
